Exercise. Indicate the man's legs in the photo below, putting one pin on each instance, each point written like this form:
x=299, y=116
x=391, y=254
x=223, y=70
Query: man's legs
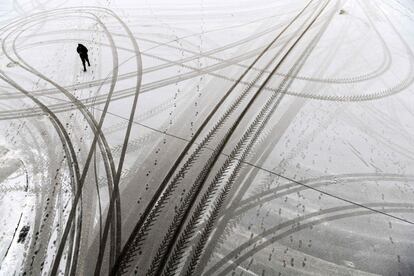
x=83, y=62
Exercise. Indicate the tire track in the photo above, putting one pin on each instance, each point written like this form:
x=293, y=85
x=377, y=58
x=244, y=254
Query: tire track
x=299, y=224
x=228, y=172
x=102, y=142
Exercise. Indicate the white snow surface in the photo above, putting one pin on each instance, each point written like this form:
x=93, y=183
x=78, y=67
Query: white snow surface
x=207, y=137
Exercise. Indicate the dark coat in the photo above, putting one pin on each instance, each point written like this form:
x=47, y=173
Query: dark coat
x=82, y=50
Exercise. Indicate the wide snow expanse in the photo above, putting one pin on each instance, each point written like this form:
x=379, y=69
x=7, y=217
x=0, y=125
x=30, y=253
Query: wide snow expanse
x=207, y=137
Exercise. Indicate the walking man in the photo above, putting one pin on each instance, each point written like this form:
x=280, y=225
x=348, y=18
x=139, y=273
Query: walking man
x=83, y=53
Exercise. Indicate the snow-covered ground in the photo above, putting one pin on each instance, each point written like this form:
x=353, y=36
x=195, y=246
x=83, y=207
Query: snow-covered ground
x=207, y=137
